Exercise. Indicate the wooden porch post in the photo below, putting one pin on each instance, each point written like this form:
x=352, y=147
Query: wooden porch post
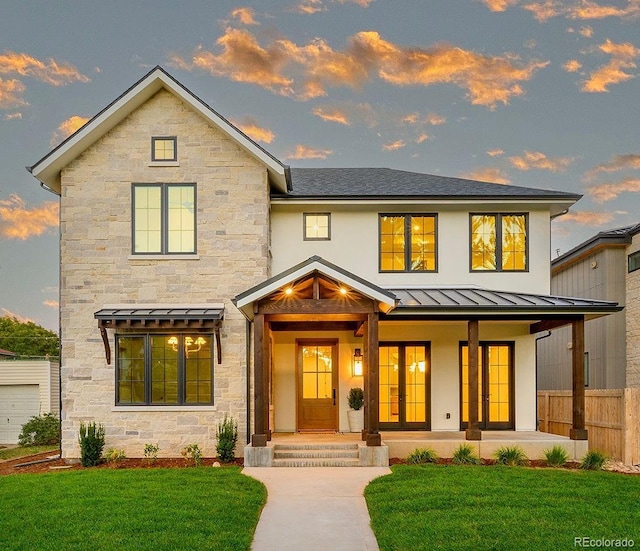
x=578, y=430
x=473, y=432
x=261, y=388
x=373, y=379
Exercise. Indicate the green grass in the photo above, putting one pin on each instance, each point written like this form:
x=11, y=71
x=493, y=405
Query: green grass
x=142, y=509
x=460, y=508
x=24, y=451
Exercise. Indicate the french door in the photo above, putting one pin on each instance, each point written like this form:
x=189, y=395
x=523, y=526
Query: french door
x=495, y=386
x=404, y=386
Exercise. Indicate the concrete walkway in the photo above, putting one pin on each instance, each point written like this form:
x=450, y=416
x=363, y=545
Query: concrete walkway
x=315, y=508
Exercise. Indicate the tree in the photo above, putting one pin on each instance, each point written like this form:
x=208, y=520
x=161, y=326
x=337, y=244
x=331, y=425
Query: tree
x=28, y=339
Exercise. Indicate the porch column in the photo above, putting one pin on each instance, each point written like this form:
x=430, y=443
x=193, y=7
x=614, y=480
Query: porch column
x=473, y=432
x=260, y=381
x=578, y=430
x=372, y=379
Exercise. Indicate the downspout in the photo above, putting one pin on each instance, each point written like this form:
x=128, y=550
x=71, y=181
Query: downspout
x=536, y=373
x=248, y=363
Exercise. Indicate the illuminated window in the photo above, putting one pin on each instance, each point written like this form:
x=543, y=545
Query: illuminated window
x=164, y=219
x=499, y=242
x=164, y=149
x=317, y=226
x=408, y=243
x=153, y=369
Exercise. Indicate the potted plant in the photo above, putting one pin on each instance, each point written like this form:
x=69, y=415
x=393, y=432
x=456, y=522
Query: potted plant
x=356, y=413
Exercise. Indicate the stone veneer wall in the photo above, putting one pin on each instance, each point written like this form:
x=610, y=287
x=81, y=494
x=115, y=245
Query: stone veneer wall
x=97, y=269
x=632, y=312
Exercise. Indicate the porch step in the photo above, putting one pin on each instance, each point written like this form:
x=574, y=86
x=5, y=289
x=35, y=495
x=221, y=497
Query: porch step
x=316, y=455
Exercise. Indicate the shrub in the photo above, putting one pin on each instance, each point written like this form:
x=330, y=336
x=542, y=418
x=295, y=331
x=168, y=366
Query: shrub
x=420, y=456
x=511, y=456
x=356, y=398
x=151, y=452
x=193, y=452
x=40, y=431
x=593, y=461
x=91, y=441
x=113, y=456
x=464, y=455
x=556, y=456
x=227, y=436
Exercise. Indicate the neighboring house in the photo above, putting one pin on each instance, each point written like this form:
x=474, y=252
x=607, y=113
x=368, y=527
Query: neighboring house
x=4, y=354
x=201, y=277
x=28, y=388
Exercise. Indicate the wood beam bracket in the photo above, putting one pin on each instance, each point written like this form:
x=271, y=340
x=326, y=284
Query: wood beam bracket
x=105, y=340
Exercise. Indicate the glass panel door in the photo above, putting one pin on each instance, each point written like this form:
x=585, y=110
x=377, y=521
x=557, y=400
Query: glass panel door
x=317, y=385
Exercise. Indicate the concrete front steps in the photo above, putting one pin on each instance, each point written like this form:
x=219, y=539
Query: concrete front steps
x=316, y=455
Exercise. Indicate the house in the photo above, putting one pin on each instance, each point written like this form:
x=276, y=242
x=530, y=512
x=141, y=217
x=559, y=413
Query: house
x=201, y=277
x=604, y=267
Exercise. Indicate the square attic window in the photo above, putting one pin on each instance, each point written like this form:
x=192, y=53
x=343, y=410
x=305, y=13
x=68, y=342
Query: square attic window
x=164, y=148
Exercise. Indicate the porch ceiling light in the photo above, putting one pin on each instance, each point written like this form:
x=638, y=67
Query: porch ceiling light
x=288, y=291
x=357, y=363
x=343, y=291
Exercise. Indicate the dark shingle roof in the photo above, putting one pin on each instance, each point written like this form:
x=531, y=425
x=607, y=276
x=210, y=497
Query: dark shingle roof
x=365, y=183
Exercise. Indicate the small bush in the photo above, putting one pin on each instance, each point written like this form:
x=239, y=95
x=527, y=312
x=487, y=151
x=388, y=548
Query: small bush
x=511, y=456
x=151, y=452
x=113, y=456
x=91, y=441
x=40, y=431
x=593, y=461
x=556, y=456
x=193, y=452
x=356, y=398
x=227, y=436
x=420, y=456
x=464, y=455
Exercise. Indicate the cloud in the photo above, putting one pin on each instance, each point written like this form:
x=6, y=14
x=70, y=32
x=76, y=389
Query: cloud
x=361, y=3
x=307, y=152
x=572, y=66
x=608, y=191
x=495, y=152
x=622, y=56
x=586, y=9
x=19, y=222
x=13, y=116
x=67, y=128
x=251, y=128
x=309, y=7
x=51, y=72
x=246, y=16
x=307, y=71
x=487, y=174
x=499, y=5
x=4, y=313
x=11, y=93
x=588, y=218
x=394, y=146
x=534, y=160
x=422, y=138
x=430, y=118
x=630, y=161
x=587, y=32
x=543, y=11
x=332, y=114
x=51, y=304
x=573, y=9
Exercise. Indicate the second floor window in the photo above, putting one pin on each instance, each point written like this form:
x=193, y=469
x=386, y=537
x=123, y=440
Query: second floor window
x=634, y=261
x=408, y=243
x=499, y=242
x=164, y=149
x=164, y=218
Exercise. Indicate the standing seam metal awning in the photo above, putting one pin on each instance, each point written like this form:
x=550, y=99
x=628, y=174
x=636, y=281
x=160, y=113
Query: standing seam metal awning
x=160, y=316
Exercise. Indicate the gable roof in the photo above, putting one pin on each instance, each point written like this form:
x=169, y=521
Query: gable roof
x=47, y=169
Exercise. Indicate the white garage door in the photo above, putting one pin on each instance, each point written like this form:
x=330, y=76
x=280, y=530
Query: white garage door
x=18, y=404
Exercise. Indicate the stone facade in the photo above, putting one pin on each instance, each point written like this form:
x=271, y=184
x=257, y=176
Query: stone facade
x=632, y=312
x=97, y=268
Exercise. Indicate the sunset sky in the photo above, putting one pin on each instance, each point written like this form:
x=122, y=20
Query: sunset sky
x=540, y=94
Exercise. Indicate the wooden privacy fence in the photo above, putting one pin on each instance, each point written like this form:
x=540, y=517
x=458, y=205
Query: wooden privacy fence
x=612, y=419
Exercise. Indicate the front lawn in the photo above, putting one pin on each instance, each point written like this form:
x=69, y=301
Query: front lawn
x=465, y=507
x=154, y=509
x=24, y=451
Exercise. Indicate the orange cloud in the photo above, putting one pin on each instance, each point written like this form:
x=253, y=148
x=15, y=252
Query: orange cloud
x=630, y=161
x=430, y=118
x=361, y=3
x=67, y=128
x=488, y=174
x=572, y=66
x=307, y=152
x=422, y=138
x=11, y=93
x=251, y=128
x=51, y=304
x=587, y=32
x=19, y=222
x=51, y=72
x=495, y=152
x=332, y=114
x=246, y=16
x=588, y=218
x=543, y=11
x=586, y=9
x=13, y=116
x=534, y=160
x=499, y=5
x=12, y=315
x=309, y=7
x=606, y=192
x=394, y=146
x=622, y=56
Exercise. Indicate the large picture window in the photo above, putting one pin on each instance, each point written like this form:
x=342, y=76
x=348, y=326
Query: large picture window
x=408, y=243
x=154, y=369
x=499, y=242
x=164, y=218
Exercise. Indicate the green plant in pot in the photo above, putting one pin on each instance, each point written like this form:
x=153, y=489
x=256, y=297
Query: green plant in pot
x=356, y=413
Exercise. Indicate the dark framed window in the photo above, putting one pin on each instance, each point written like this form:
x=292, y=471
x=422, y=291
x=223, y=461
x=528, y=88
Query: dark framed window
x=499, y=242
x=164, y=219
x=634, y=261
x=164, y=369
x=164, y=148
x=317, y=226
x=408, y=242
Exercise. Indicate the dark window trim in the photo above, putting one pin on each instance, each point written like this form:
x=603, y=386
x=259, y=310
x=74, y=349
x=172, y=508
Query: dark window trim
x=499, y=216
x=153, y=148
x=164, y=187
x=147, y=370
x=304, y=226
x=633, y=258
x=407, y=242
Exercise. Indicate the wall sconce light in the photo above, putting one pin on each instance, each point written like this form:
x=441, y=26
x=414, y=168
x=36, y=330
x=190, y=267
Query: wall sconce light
x=189, y=344
x=357, y=363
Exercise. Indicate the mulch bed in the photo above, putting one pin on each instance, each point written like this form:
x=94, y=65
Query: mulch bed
x=535, y=463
